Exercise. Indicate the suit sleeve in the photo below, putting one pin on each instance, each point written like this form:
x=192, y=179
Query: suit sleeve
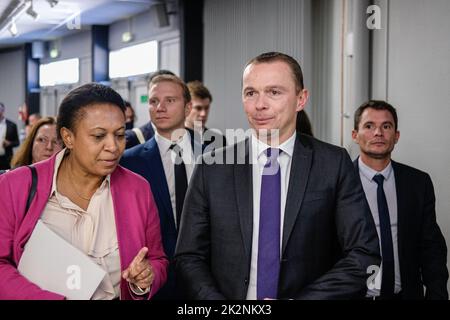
x=13, y=136
x=130, y=138
x=193, y=246
x=433, y=249
x=157, y=257
x=358, y=241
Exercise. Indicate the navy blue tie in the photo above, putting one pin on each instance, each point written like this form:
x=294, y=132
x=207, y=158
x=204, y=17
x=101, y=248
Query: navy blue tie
x=268, y=269
x=181, y=182
x=387, y=250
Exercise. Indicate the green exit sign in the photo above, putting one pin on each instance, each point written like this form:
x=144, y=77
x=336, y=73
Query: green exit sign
x=144, y=98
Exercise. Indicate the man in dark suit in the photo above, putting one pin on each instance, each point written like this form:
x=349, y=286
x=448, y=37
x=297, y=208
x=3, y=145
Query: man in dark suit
x=196, y=120
x=156, y=160
x=9, y=139
x=402, y=203
x=140, y=135
x=287, y=219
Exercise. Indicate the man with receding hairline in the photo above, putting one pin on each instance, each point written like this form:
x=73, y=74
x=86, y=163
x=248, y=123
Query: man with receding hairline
x=288, y=218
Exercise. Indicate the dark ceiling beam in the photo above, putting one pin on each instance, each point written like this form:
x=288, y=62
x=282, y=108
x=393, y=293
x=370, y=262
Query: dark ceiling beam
x=191, y=39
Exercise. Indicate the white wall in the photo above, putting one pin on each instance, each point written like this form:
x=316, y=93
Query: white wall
x=238, y=30
x=12, y=82
x=144, y=28
x=418, y=85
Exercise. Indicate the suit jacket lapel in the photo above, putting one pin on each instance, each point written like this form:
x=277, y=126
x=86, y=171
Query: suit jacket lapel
x=244, y=193
x=300, y=168
x=401, y=188
x=160, y=188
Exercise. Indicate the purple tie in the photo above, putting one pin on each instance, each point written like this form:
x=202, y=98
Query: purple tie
x=269, y=228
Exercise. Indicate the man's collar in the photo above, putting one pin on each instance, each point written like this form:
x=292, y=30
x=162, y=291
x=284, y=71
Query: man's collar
x=287, y=146
x=369, y=173
x=164, y=143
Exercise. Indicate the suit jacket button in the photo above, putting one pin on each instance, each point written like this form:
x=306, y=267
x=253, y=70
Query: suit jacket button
x=246, y=281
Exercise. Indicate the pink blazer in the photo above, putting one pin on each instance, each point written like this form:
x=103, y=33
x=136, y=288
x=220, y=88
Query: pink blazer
x=137, y=224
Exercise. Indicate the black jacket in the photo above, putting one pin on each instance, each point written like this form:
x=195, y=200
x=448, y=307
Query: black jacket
x=421, y=246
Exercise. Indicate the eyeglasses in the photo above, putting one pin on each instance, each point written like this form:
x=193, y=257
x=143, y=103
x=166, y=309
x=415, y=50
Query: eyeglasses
x=44, y=141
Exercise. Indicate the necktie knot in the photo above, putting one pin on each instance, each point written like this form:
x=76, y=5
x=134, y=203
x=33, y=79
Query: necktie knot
x=379, y=179
x=178, y=153
x=176, y=148
x=272, y=156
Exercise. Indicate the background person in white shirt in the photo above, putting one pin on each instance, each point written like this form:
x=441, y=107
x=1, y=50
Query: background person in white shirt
x=197, y=118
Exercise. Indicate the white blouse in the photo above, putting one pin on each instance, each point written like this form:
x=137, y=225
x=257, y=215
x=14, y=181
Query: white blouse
x=93, y=231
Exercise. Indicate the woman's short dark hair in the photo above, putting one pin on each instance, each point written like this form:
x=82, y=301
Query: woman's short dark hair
x=70, y=109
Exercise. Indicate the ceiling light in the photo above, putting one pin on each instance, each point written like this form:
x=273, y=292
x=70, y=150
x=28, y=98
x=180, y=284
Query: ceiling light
x=32, y=13
x=54, y=53
x=13, y=29
x=127, y=36
x=52, y=2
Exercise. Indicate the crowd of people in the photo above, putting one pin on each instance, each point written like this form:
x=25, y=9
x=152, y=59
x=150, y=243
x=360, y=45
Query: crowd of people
x=170, y=211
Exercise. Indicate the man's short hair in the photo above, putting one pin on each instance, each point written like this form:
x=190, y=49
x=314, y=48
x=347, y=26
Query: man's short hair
x=278, y=56
x=377, y=105
x=198, y=90
x=173, y=79
x=2, y=106
x=158, y=73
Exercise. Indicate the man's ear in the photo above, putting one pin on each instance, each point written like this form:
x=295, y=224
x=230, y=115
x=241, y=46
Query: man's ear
x=187, y=109
x=67, y=137
x=302, y=99
x=355, y=135
x=397, y=136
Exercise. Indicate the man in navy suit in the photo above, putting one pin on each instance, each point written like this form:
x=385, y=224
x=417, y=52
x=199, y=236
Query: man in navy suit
x=166, y=161
x=402, y=202
x=135, y=136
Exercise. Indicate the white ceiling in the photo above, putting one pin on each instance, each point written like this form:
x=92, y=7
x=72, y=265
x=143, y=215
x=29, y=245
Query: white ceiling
x=63, y=18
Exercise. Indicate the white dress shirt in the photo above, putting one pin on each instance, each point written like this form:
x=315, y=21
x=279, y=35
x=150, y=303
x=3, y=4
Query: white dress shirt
x=168, y=161
x=93, y=230
x=259, y=159
x=370, y=189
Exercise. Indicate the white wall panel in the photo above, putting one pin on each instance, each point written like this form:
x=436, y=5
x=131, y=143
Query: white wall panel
x=236, y=31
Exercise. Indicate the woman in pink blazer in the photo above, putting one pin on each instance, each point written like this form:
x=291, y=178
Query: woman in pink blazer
x=83, y=195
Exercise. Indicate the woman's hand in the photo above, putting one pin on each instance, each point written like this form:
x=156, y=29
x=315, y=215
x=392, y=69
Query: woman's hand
x=140, y=272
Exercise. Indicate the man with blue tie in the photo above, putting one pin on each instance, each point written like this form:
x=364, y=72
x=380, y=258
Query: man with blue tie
x=167, y=162
x=283, y=217
x=402, y=202
x=140, y=135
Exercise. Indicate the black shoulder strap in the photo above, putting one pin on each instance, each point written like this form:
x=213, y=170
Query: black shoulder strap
x=32, y=191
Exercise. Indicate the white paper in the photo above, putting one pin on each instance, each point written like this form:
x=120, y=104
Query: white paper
x=55, y=265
